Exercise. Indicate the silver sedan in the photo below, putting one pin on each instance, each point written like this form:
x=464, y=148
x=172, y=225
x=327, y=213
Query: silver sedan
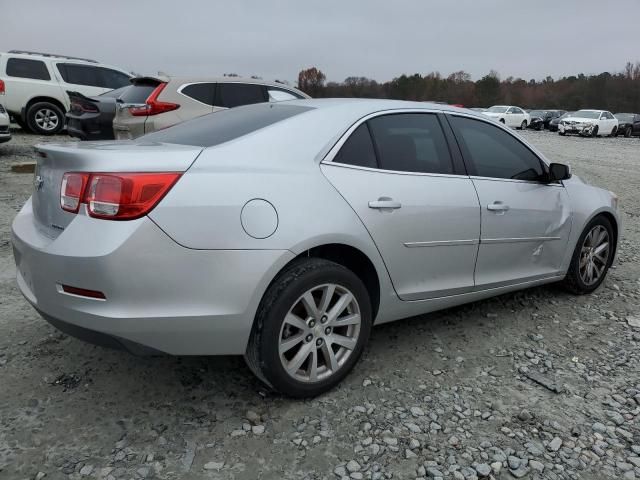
x=284, y=232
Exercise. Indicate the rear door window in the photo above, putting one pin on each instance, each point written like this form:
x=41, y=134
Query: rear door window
x=200, y=92
x=109, y=78
x=358, y=149
x=27, y=68
x=80, y=74
x=411, y=142
x=231, y=95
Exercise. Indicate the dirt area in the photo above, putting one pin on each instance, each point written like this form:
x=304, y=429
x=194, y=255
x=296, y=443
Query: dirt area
x=535, y=384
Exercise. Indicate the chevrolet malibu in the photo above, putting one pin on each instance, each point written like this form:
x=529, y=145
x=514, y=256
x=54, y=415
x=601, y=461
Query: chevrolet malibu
x=284, y=232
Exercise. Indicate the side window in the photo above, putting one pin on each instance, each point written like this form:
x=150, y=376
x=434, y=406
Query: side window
x=512, y=110
x=201, y=92
x=231, y=95
x=411, y=142
x=610, y=116
x=278, y=95
x=358, y=149
x=80, y=74
x=495, y=153
x=25, y=68
x=112, y=78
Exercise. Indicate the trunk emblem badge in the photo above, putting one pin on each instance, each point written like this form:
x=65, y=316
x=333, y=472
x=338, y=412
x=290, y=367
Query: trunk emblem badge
x=38, y=181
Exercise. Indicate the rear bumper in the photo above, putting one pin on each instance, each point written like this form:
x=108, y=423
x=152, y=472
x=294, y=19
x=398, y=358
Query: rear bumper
x=89, y=127
x=160, y=296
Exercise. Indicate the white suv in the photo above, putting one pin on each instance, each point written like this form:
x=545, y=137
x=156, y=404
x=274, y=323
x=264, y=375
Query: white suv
x=36, y=85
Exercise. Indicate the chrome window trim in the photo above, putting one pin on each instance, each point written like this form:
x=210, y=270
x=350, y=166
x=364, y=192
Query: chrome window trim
x=441, y=243
x=333, y=151
x=515, y=180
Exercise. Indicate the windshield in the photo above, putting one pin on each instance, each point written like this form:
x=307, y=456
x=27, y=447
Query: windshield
x=625, y=117
x=497, y=109
x=537, y=113
x=568, y=114
x=587, y=114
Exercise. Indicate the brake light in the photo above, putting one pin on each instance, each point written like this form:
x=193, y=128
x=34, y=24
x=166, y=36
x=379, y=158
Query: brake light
x=115, y=196
x=153, y=106
x=73, y=185
x=84, y=107
x=1, y=87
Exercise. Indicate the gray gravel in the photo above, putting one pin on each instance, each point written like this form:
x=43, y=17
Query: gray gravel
x=449, y=395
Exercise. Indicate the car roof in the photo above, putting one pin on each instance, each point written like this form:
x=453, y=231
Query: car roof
x=47, y=56
x=365, y=106
x=218, y=79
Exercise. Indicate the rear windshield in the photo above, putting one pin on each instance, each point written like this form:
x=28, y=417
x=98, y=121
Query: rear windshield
x=138, y=93
x=220, y=127
x=115, y=93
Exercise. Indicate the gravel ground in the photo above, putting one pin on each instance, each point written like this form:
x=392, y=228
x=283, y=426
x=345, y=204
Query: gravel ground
x=449, y=395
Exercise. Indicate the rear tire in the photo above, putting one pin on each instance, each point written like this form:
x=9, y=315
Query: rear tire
x=45, y=118
x=627, y=132
x=578, y=280
x=286, y=333
x=562, y=134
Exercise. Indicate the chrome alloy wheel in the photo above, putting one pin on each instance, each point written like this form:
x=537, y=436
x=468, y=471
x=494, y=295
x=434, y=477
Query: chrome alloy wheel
x=319, y=333
x=594, y=255
x=46, y=119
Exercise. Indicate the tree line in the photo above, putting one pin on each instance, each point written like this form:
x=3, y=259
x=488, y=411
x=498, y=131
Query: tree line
x=616, y=92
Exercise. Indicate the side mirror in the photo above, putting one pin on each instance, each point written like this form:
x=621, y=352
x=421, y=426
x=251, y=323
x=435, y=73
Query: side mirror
x=559, y=171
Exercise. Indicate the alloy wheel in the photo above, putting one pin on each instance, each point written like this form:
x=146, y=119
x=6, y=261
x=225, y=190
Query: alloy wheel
x=46, y=119
x=594, y=255
x=319, y=333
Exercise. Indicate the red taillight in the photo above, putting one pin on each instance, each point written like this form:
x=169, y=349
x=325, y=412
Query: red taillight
x=83, y=107
x=73, y=185
x=153, y=106
x=1, y=87
x=115, y=196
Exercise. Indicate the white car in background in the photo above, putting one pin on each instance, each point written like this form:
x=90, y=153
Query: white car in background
x=36, y=85
x=5, y=133
x=589, y=123
x=510, y=115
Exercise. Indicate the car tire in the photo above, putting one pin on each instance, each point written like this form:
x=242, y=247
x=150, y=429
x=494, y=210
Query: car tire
x=562, y=134
x=594, y=133
x=523, y=125
x=614, y=132
x=627, y=132
x=287, y=341
x=502, y=121
x=577, y=280
x=45, y=118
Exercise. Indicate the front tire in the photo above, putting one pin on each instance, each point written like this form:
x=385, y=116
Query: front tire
x=523, y=125
x=310, y=329
x=592, y=257
x=45, y=118
x=614, y=132
x=594, y=132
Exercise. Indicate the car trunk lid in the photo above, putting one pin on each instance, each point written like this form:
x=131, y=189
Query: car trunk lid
x=54, y=160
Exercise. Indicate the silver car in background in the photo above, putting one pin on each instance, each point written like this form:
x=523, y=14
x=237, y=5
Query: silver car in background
x=154, y=103
x=283, y=232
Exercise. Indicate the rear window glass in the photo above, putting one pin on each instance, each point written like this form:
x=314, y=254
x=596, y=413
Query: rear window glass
x=25, y=68
x=138, y=93
x=201, y=92
x=226, y=125
x=231, y=95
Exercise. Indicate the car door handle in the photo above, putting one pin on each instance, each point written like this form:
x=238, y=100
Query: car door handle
x=498, y=207
x=384, y=202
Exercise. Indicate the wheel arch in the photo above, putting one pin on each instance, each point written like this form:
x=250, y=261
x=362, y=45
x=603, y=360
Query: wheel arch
x=35, y=100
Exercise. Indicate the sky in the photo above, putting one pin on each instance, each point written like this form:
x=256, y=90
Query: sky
x=379, y=39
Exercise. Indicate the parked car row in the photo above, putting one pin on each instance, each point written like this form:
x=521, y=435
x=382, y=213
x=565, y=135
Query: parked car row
x=583, y=122
x=45, y=92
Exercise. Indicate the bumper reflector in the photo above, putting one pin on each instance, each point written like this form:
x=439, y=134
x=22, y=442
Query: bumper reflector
x=83, y=292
